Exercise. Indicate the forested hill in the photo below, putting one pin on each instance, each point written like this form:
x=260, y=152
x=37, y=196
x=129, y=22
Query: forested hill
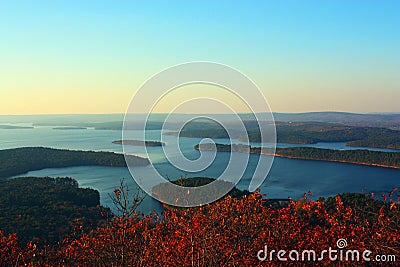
x=47, y=208
x=21, y=160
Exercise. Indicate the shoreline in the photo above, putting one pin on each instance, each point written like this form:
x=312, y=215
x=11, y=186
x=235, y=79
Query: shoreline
x=313, y=159
x=332, y=160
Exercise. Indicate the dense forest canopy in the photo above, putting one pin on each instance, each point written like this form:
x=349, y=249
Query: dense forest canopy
x=228, y=232
x=21, y=160
x=47, y=208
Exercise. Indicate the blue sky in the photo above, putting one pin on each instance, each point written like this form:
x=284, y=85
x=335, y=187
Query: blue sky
x=74, y=56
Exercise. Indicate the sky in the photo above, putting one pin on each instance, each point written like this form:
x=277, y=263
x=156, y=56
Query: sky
x=68, y=57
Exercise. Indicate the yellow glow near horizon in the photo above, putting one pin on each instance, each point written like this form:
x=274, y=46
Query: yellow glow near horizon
x=74, y=57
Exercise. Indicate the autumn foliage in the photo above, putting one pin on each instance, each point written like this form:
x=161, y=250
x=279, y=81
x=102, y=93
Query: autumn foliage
x=229, y=232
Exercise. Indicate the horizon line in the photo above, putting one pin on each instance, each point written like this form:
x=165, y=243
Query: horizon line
x=244, y=113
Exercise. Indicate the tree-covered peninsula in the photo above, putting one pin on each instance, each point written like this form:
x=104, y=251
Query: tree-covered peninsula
x=356, y=156
x=22, y=160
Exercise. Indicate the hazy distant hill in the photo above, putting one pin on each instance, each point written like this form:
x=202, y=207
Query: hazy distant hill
x=114, y=121
x=373, y=120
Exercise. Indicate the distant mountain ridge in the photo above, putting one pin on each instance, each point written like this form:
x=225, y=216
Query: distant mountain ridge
x=373, y=120
x=114, y=121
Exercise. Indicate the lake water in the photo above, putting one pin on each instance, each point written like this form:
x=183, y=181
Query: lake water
x=287, y=178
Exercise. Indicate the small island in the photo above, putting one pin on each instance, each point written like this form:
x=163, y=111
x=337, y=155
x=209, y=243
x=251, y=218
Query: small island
x=356, y=156
x=139, y=143
x=69, y=128
x=14, y=127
